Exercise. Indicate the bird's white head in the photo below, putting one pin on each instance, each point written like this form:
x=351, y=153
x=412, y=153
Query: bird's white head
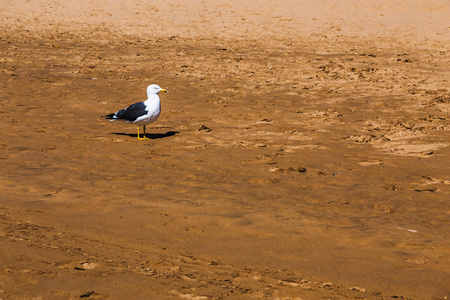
x=154, y=89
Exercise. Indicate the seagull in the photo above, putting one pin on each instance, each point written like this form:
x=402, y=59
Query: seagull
x=141, y=113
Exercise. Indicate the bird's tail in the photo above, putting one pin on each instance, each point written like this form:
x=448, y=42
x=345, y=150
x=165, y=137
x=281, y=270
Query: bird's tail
x=109, y=117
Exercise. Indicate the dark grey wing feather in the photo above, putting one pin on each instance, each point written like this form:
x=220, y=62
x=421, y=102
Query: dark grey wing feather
x=132, y=112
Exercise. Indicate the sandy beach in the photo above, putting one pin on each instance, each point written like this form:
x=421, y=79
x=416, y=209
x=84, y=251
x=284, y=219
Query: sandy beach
x=302, y=151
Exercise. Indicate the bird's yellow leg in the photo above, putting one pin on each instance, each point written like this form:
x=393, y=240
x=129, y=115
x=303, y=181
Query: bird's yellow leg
x=138, y=135
x=143, y=137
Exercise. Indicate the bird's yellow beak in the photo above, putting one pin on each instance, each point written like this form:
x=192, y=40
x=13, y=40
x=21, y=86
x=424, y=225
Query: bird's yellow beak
x=163, y=90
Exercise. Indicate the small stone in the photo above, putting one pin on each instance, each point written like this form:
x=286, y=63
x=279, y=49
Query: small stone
x=87, y=294
x=86, y=266
x=358, y=289
x=204, y=129
x=90, y=266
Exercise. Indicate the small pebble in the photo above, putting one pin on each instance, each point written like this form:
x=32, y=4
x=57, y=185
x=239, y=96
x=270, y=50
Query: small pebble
x=204, y=129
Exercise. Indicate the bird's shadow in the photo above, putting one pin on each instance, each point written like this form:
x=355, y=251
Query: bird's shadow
x=153, y=136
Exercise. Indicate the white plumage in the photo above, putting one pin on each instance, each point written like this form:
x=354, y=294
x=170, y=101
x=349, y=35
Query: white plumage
x=141, y=113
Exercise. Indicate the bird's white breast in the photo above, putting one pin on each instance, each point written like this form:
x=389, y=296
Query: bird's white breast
x=153, y=109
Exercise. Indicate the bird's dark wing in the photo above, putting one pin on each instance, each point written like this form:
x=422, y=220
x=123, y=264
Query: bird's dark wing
x=132, y=112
